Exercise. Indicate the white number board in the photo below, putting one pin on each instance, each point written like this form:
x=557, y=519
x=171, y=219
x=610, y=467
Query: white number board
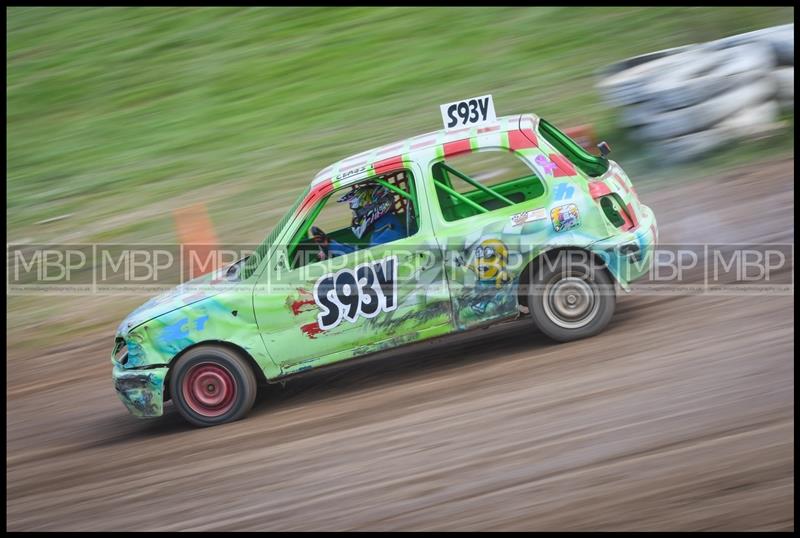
x=468, y=112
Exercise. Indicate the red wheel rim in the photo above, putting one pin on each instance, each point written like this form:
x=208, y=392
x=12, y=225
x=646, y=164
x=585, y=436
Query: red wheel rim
x=209, y=389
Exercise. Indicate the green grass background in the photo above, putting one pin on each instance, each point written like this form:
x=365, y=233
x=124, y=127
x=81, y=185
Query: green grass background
x=117, y=116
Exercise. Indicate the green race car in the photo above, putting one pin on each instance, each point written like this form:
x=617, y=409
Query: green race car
x=486, y=220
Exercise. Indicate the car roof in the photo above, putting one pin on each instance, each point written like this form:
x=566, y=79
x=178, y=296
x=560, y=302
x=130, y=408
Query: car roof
x=352, y=169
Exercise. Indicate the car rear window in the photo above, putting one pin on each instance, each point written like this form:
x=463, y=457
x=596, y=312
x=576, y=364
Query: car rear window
x=479, y=182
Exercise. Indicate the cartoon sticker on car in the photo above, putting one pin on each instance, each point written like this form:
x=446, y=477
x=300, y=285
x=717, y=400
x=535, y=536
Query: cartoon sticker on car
x=489, y=263
x=565, y=217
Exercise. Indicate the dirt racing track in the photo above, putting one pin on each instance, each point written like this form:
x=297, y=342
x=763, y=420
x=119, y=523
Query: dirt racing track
x=678, y=417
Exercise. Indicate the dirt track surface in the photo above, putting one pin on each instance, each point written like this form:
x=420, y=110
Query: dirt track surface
x=678, y=417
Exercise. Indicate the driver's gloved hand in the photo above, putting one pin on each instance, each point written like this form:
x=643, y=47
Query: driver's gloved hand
x=321, y=239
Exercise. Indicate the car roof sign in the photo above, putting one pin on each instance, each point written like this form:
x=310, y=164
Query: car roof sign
x=468, y=112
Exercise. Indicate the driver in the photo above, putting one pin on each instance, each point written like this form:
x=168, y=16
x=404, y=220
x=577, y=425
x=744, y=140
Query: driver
x=373, y=217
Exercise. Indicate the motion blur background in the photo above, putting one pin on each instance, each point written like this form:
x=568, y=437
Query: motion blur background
x=118, y=117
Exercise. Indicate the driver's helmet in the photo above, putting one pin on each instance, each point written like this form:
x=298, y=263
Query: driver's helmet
x=368, y=203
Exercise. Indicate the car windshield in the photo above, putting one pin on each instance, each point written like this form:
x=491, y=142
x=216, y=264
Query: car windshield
x=262, y=249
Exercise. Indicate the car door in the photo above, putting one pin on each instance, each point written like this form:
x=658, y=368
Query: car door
x=489, y=226
x=375, y=298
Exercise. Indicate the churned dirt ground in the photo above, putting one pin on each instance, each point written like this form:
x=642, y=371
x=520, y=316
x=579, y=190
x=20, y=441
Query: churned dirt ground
x=678, y=417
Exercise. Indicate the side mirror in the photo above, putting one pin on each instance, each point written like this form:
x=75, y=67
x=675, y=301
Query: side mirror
x=604, y=148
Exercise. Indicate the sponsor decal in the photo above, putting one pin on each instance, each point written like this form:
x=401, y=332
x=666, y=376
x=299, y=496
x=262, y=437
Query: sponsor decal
x=352, y=172
x=528, y=216
x=547, y=165
x=563, y=191
x=565, y=217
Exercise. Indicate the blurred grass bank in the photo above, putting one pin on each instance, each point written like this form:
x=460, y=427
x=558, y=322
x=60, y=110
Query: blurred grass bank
x=117, y=116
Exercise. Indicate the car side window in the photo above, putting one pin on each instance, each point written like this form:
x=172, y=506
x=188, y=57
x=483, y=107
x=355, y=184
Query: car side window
x=378, y=210
x=473, y=183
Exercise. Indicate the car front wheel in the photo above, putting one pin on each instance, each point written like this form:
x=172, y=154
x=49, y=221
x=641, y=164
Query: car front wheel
x=212, y=385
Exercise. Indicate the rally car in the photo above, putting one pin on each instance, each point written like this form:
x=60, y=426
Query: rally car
x=487, y=220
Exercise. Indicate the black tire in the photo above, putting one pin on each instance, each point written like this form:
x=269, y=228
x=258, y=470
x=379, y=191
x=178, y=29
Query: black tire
x=212, y=385
x=562, y=278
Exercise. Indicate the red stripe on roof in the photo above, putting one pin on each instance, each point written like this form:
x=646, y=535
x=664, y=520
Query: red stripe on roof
x=565, y=167
x=321, y=190
x=387, y=165
x=457, y=147
x=488, y=129
x=518, y=140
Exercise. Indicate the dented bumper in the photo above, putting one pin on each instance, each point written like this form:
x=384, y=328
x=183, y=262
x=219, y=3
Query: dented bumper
x=142, y=391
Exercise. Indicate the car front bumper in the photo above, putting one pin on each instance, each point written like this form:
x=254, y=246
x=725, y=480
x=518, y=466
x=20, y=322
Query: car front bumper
x=141, y=390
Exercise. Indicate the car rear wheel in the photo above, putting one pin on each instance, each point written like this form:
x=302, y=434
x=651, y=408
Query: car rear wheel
x=571, y=297
x=212, y=385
